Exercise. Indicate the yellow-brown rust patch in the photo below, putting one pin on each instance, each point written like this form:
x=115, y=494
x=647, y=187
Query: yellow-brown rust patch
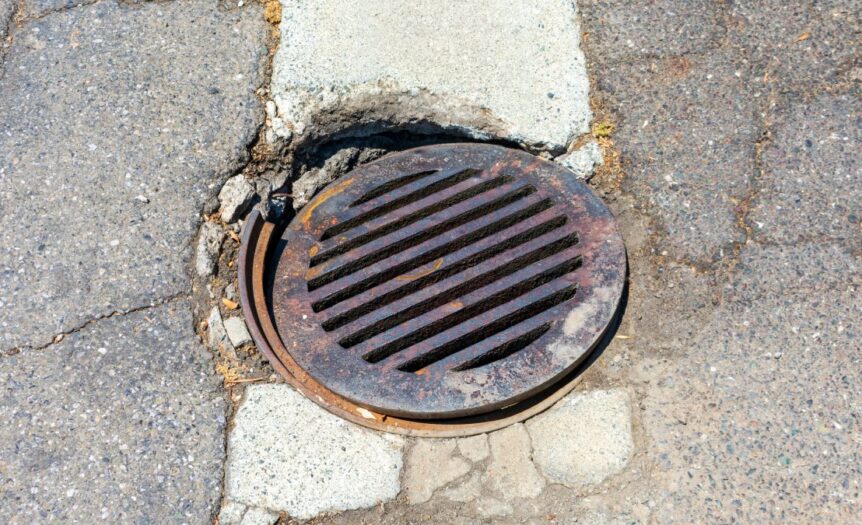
x=323, y=197
x=412, y=276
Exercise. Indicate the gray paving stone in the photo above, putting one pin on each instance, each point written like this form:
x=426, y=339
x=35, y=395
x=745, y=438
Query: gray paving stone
x=285, y=453
x=759, y=424
x=688, y=129
x=584, y=438
x=619, y=30
x=156, y=100
x=119, y=423
x=511, y=70
x=811, y=186
x=431, y=465
x=797, y=43
x=511, y=471
x=474, y=448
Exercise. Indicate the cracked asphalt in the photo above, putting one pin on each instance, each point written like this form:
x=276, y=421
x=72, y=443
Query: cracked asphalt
x=738, y=127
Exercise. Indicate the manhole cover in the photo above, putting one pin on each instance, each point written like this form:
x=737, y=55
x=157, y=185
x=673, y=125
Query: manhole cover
x=440, y=282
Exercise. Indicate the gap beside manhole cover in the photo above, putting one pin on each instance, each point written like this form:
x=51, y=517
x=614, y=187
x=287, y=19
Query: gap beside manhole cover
x=447, y=282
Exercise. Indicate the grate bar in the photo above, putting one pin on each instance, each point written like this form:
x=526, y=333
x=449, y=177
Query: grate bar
x=468, y=307
x=371, y=231
x=518, y=268
x=439, y=248
x=510, y=336
x=391, y=186
x=518, y=239
x=431, y=197
x=503, y=350
x=495, y=323
x=419, y=232
x=378, y=210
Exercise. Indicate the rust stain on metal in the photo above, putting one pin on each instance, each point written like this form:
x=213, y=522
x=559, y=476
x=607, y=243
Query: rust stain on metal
x=413, y=276
x=323, y=197
x=442, y=283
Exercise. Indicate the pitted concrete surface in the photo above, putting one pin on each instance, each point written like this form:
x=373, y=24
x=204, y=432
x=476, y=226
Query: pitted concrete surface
x=116, y=123
x=95, y=430
x=288, y=454
x=491, y=69
x=584, y=439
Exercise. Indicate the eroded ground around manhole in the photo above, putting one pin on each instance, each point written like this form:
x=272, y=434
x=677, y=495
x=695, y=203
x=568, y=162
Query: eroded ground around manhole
x=729, y=135
x=734, y=373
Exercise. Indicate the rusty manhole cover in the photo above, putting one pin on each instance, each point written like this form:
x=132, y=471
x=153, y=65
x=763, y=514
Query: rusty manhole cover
x=444, y=282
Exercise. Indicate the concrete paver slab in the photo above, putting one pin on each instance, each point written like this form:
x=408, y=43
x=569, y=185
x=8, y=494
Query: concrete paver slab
x=584, y=438
x=118, y=423
x=510, y=70
x=285, y=453
x=796, y=44
x=690, y=130
x=758, y=424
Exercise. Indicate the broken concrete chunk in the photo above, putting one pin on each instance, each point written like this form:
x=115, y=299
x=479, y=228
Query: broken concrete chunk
x=583, y=161
x=209, y=244
x=235, y=196
x=430, y=466
x=474, y=448
x=345, y=66
x=584, y=438
x=511, y=471
x=335, y=166
x=230, y=293
x=287, y=454
x=216, y=334
x=237, y=332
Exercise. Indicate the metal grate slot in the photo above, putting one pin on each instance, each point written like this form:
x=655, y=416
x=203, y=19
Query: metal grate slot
x=390, y=186
x=420, y=237
x=400, y=202
x=456, y=345
x=518, y=239
x=428, y=256
x=459, y=290
x=470, y=311
x=365, y=238
x=504, y=350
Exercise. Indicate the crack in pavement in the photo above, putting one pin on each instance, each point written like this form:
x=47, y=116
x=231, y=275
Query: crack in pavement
x=57, y=338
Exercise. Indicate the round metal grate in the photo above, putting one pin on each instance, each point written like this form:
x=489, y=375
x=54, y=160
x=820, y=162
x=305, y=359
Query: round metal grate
x=441, y=282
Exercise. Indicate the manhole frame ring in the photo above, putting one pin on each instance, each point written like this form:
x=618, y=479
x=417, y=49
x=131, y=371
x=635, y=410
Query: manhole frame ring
x=257, y=234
